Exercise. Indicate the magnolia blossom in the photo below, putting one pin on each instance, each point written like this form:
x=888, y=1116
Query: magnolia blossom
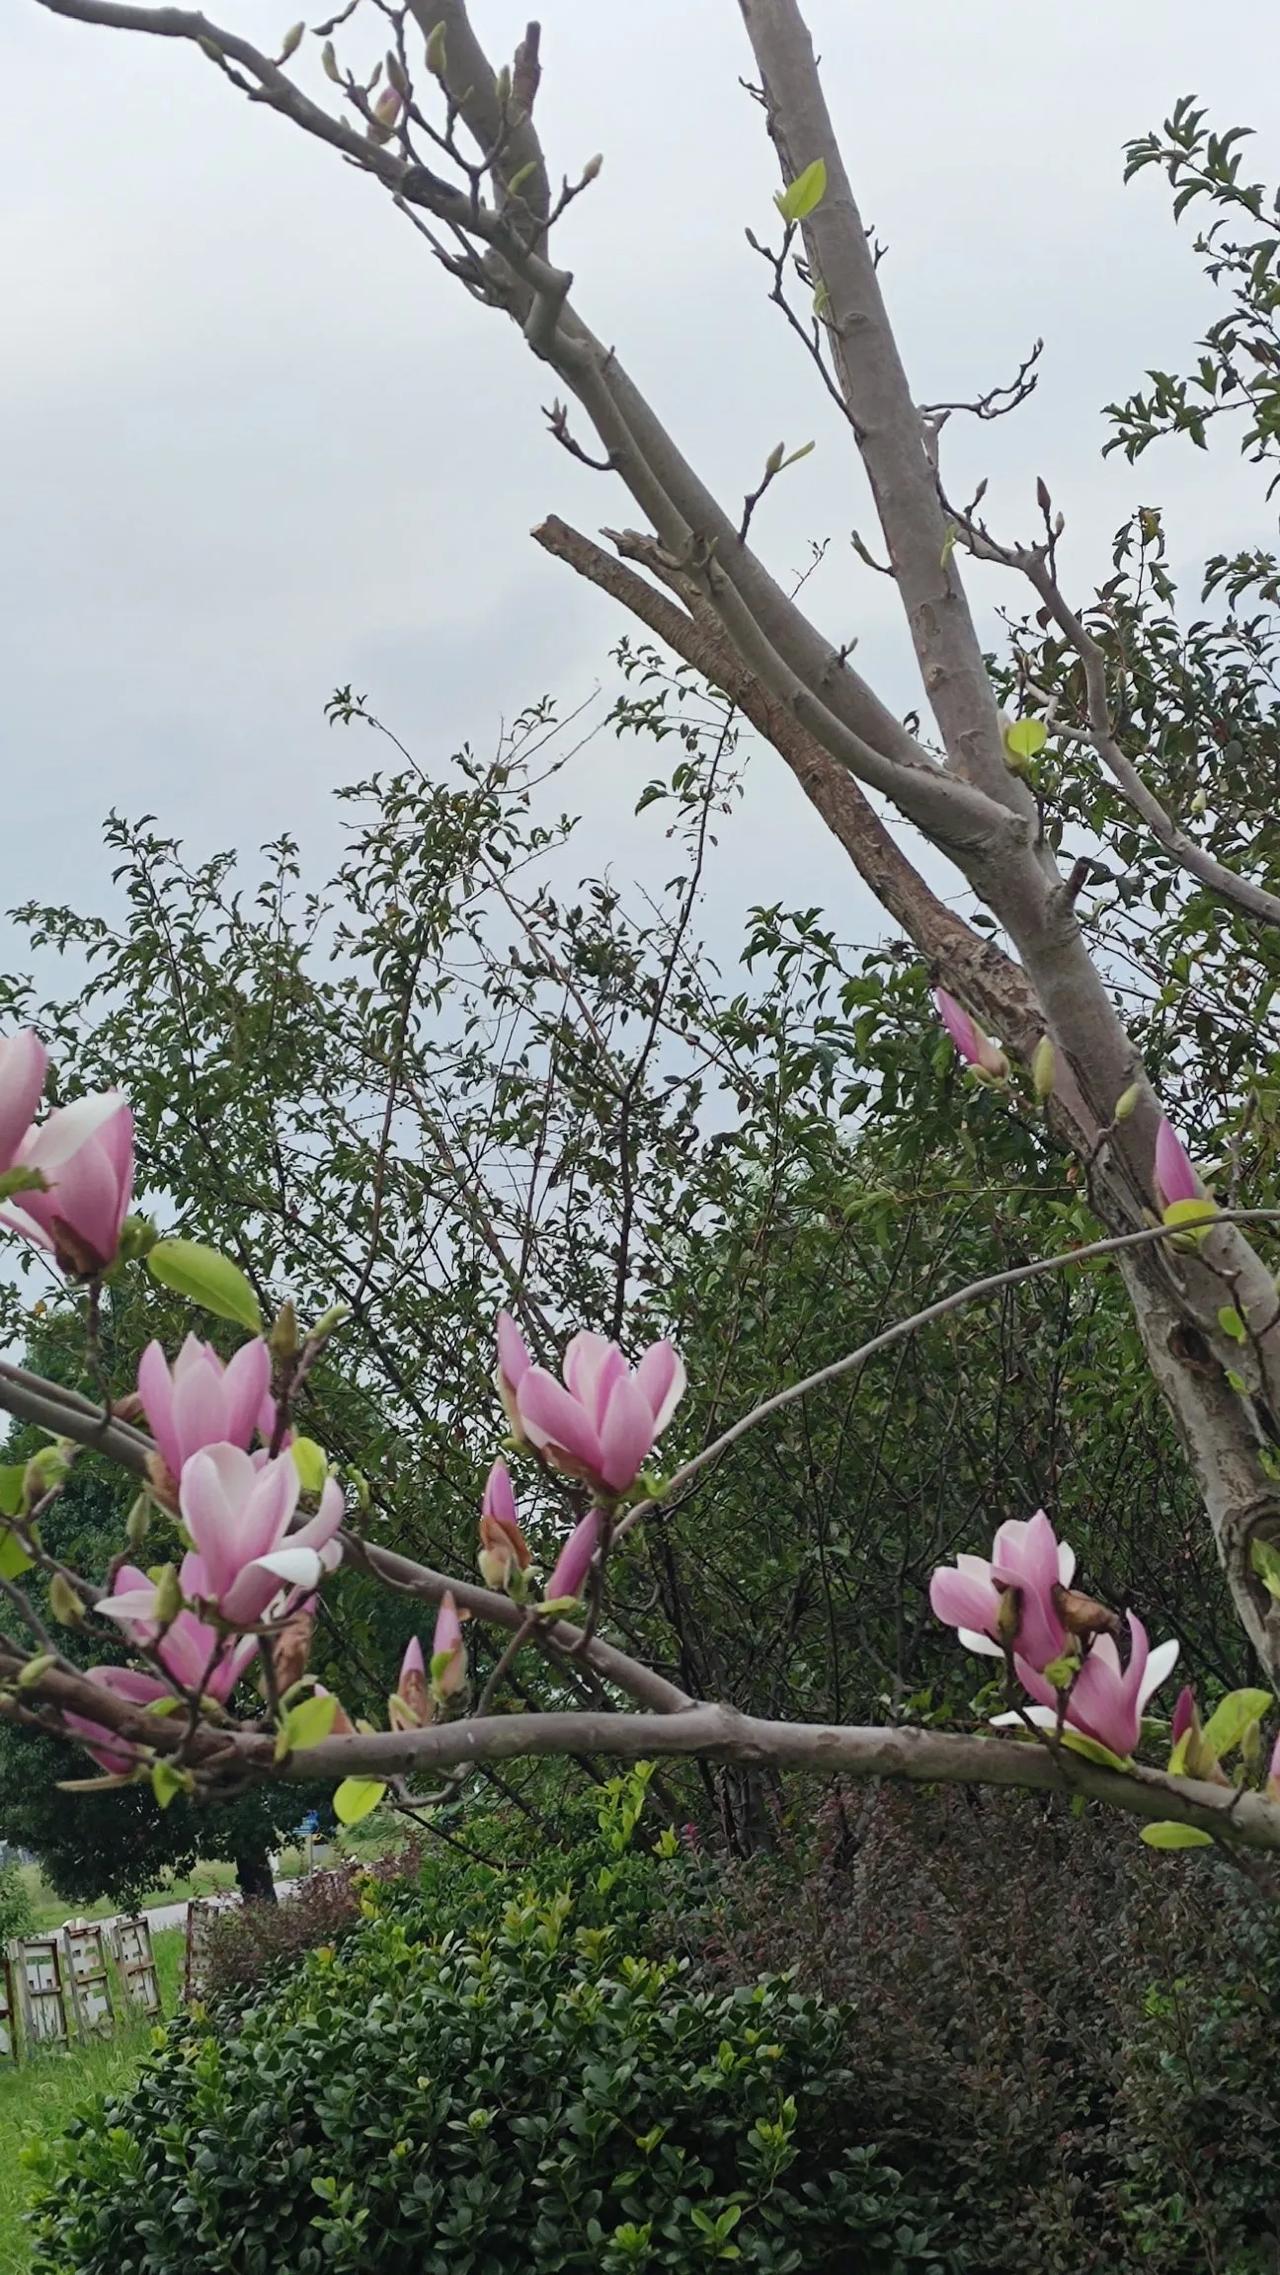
x=970, y=1595
x=602, y=1420
x=975, y=1048
x=514, y=1363
x=448, y=1657
x=84, y=1152
x=112, y=1753
x=412, y=1702
x=200, y=1401
x=238, y=1513
x=23, y=1064
x=1106, y=1701
x=194, y=1653
x=574, y=1561
x=1175, y=1179
x=503, y=1547
x=1273, y=1773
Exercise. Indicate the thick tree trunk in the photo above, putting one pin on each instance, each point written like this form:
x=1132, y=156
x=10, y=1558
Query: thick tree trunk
x=253, y=1873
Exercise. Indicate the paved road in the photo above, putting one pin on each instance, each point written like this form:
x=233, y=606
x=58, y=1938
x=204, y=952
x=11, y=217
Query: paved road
x=175, y=1915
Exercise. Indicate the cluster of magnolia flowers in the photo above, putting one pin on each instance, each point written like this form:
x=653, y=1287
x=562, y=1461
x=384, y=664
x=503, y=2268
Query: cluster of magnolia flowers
x=250, y=1570
x=1019, y=1605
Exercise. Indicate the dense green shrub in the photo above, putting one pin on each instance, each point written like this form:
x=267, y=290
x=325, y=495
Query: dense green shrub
x=1197, y=2121
x=524, y=2093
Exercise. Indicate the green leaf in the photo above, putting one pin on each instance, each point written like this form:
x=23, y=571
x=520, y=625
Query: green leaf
x=800, y=197
x=307, y=1724
x=1168, y=1834
x=208, y=1278
x=14, y=1560
x=1025, y=737
x=1265, y=1559
x=310, y=1463
x=1231, y=1323
x=1185, y=1213
x=12, y=1481
x=802, y=452
x=357, y=1797
x=167, y=1782
x=1232, y=1719
x=1093, y=1750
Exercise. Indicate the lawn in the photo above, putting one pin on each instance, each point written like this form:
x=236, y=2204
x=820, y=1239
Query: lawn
x=40, y=2096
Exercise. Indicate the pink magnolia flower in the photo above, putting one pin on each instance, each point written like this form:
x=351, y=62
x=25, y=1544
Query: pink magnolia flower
x=114, y=1754
x=190, y=1649
x=412, y=1702
x=1107, y=1700
x=238, y=1512
x=1175, y=1179
x=1273, y=1773
x=1184, y=1713
x=387, y=108
x=503, y=1547
x=975, y=1048
x=23, y=1064
x=1027, y=1556
x=601, y=1422
x=85, y=1154
x=574, y=1561
x=448, y=1657
x=514, y=1363
x=199, y=1401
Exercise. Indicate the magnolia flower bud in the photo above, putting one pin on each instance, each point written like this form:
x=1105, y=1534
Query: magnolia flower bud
x=592, y=167
x=65, y=1602
x=435, y=51
x=328, y=57
x=291, y=42
x=168, y=1599
x=396, y=74
x=139, y=1518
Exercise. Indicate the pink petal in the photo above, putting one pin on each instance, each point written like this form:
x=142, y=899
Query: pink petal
x=1175, y=1178
x=552, y=1417
x=499, y=1498
x=155, y=1389
x=959, y=1026
x=626, y=1434
x=513, y=1356
x=661, y=1377
x=959, y=1599
x=412, y=1663
x=246, y=1382
x=23, y=1065
x=199, y=1413
x=591, y=1368
x=574, y=1561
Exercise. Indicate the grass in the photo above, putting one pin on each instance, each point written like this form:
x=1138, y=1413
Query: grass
x=38, y=2098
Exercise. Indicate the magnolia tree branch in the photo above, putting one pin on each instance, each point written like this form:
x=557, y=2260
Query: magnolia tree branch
x=972, y=967
x=717, y=1733
x=1035, y=562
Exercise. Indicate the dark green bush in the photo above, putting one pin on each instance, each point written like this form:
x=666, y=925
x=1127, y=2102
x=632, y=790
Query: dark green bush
x=1076, y=2041
x=525, y=2093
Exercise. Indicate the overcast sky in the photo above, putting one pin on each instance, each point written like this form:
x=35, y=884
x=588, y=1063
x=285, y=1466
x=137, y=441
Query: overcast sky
x=256, y=444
